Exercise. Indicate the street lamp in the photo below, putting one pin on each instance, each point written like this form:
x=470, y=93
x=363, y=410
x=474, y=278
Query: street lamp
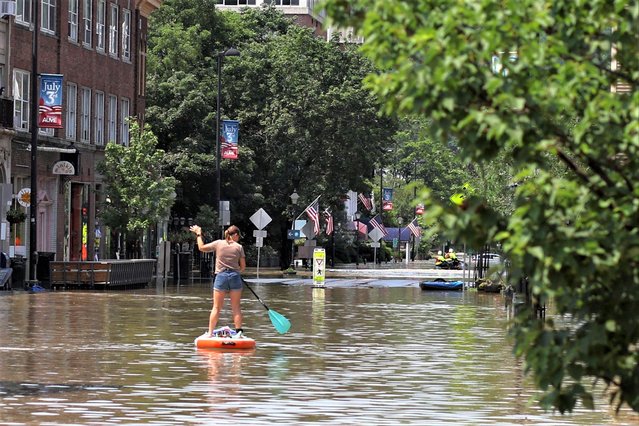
x=220, y=56
x=34, y=105
x=294, y=198
x=357, y=216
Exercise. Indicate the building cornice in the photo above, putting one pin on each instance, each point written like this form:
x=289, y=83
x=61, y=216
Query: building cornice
x=146, y=7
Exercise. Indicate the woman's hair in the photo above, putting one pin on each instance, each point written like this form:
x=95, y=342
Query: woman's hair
x=230, y=231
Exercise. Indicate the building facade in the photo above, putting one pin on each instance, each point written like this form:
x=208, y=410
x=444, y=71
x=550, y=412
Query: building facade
x=99, y=49
x=304, y=12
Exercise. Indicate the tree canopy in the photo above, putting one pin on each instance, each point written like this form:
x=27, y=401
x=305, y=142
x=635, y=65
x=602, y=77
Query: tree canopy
x=138, y=193
x=534, y=83
x=306, y=121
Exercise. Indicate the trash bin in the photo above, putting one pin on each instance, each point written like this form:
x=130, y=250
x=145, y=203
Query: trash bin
x=17, y=276
x=181, y=265
x=43, y=273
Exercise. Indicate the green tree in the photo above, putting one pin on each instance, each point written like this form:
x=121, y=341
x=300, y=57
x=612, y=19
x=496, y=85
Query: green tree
x=530, y=82
x=139, y=193
x=306, y=121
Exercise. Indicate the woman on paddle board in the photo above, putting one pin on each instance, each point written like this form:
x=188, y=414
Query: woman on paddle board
x=230, y=262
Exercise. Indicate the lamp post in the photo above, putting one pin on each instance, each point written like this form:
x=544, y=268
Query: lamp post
x=357, y=216
x=220, y=56
x=35, y=96
x=415, y=163
x=294, y=198
x=400, y=221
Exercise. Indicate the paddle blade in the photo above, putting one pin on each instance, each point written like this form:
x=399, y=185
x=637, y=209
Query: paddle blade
x=280, y=322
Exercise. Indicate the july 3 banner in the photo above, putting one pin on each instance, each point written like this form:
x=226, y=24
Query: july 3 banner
x=50, y=103
x=387, y=199
x=230, y=135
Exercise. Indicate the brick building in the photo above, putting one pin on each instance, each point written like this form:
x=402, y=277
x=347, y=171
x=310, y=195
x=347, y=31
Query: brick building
x=99, y=47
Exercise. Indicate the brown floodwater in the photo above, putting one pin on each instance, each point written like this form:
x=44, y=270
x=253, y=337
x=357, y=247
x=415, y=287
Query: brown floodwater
x=354, y=355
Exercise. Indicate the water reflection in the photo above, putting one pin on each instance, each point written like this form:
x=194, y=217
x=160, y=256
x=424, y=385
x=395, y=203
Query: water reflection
x=353, y=355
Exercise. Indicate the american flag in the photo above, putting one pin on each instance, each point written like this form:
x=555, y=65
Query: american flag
x=366, y=202
x=312, y=211
x=376, y=222
x=414, y=228
x=329, y=222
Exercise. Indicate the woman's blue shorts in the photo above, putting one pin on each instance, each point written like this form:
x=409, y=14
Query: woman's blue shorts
x=228, y=280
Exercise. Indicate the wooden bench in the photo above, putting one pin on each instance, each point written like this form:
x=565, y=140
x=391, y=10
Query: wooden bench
x=103, y=273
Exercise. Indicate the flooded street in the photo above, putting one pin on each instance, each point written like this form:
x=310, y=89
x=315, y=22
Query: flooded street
x=376, y=356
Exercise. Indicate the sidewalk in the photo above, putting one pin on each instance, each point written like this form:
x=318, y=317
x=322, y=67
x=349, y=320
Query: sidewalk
x=421, y=270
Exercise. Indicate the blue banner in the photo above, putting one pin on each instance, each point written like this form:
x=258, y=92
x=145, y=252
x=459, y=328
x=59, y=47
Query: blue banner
x=50, y=103
x=387, y=199
x=230, y=135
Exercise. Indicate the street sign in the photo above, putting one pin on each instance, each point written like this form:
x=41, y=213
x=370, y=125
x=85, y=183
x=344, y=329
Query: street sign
x=395, y=242
x=308, y=230
x=24, y=197
x=225, y=213
x=299, y=224
x=319, y=267
x=259, y=242
x=293, y=234
x=260, y=219
x=375, y=244
x=376, y=234
x=259, y=234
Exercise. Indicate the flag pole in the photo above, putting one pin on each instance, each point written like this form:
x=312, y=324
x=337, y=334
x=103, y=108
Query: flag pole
x=310, y=204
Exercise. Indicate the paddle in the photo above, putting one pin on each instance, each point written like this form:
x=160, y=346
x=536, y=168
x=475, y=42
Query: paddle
x=280, y=322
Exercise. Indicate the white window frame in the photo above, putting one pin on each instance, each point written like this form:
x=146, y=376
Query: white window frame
x=125, y=106
x=73, y=20
x=21, y=96
x=72, y=111
x=113, y=29
x=85, y=115
x=100, y=25
x=99, y=118
x=24, y=13
x=87, y=19
x=126, y=35
x=113, y=119
x=47, y=16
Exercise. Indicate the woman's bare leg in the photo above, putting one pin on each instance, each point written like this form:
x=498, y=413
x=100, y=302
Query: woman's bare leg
x=236, y=296
x=218, y=304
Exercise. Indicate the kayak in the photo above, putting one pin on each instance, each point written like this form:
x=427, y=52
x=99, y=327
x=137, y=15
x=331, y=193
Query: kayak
x=441, y=285
x=206, y=341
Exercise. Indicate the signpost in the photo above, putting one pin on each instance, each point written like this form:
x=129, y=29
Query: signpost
x=375, y=235
x=260, y=219
x=319, y=268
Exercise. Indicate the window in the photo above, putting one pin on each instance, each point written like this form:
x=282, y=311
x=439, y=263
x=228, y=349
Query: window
x=237, y=2
x=73, y=20
x=99, y=118
x=21, y=85
x=87, y=18
x=113, y=119
x=48, y=16
x=100, y=25
x=113, y=31
x=23, y=12
x=85, y=115
x=124, y=124
x=72, y=111
x=126, y=34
